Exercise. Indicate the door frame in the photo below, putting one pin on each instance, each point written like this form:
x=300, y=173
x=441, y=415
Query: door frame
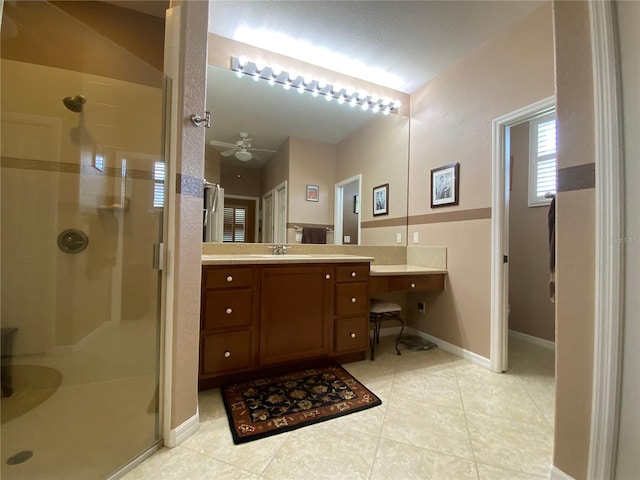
x=280, y=224
x=500, y=148
x=338, y=223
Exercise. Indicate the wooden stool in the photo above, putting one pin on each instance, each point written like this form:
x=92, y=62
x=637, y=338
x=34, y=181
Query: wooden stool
x=380, y=310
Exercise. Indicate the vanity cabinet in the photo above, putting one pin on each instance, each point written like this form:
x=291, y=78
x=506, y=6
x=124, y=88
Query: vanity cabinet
x=258, y=317
x=295, y=314
x=228, y=313
x=351, y=316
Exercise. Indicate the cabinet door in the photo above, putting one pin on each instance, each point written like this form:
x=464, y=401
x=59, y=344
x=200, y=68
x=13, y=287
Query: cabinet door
x=296, y=317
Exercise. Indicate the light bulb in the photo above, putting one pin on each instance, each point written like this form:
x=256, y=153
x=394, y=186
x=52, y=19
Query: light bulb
x=301, y=89
x=276, y=70
x=271, y=81
x=364, y=106
x=314, y=93
x=396, y=104
x=307, y=79
x=322, y=83
x=328, y=98
x=242, y=61
x=353, y=102
x=286, y=85
x=340, y=100
x=337, y=88
x=259, y=66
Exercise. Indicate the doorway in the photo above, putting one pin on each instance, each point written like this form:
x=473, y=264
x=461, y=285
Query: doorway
x=501, y=196
x=347, y=211
x=239, y=219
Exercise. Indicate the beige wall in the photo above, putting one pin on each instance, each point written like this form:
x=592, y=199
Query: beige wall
x=530, y=309
x=185, y=63
x=49, y=152
x=276, y=170
x=311, y=163
x=242, y=181
x=212, y=164
x=451, y=122
x=82, y=37
x=575, y=240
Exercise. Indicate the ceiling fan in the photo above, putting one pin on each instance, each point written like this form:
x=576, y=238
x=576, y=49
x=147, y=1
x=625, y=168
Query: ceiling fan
x=241, y=149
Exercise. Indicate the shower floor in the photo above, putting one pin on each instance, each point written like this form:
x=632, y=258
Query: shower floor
x=101, y=415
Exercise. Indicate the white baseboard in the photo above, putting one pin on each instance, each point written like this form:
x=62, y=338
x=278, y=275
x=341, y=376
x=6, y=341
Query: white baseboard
x=549, y=345
x=447, y=347
x=557, y=474
x=183, y=431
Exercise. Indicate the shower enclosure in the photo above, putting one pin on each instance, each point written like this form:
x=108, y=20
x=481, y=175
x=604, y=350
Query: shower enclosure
x=82, y=197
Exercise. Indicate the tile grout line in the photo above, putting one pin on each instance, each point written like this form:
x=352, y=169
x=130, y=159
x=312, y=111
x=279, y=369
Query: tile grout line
x=384, y=419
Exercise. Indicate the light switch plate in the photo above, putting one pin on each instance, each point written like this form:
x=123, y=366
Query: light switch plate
x=416, y=237
x=298, y=237
x=347, y=239
x=399, y=237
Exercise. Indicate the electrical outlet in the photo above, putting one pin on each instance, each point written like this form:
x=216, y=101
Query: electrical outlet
x=298, y=237
x=347, y=239
x=416, y=237
x=421, y=307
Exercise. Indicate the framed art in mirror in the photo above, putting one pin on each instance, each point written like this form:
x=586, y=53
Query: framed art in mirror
x=381, y=200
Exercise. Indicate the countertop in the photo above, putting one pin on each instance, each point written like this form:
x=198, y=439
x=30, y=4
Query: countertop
x=384, y=270
x=270, y=259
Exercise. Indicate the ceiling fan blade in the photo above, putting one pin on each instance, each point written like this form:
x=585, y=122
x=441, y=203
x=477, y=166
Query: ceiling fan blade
x=216, y=143
x=261, y=150
x=228, y=153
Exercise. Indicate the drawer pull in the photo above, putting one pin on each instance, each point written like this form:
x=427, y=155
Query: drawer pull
x=227, y=354
x=353, y=299
x=229, y=278
x=229, y=311
x=413, y=285
x=353, y=274
x=327, y=276
x=352, y=335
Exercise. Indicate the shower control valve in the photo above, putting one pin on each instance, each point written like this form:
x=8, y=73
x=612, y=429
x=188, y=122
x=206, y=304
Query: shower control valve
x=198, y=121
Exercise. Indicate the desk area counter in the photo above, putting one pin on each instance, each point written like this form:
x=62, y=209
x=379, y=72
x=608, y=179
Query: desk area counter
x=384, y=270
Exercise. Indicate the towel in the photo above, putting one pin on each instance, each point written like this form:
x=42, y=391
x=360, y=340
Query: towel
x=314, y=235
x=552, y=249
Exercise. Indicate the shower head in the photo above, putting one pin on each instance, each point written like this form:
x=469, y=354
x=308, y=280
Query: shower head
x=75, y=104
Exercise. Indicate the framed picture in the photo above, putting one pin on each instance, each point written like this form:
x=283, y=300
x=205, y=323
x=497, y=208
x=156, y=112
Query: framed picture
x=444, y=185
x=381, y=200
x=313, y=192
x=356, y=204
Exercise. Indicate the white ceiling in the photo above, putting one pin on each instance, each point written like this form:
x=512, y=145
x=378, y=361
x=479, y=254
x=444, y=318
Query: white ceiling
x=409, y=42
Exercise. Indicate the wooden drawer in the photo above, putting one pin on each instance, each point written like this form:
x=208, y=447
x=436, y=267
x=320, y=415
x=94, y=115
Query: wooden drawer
x=226, y=308
x=225, y=352
x=227, y=277
x=352, y=273
x=351, y=334
x=352, y=299
x=416, y=282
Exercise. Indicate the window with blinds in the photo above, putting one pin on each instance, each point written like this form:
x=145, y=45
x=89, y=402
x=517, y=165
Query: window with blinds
x=158, y=184
x=542, y=159
x=234, y=224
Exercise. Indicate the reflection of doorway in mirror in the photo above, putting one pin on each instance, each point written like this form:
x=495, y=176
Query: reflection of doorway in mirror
x=267, y=217
x=239, y=220
x=280, y=207
x=347, y=216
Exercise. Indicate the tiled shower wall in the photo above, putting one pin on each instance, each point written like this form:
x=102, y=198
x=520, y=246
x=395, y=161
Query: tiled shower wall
x=51, y=182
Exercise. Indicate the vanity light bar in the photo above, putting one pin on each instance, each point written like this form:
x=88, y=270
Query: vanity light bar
x=317, y=87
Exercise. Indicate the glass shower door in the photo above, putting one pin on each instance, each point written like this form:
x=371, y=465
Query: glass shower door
x=82, y=194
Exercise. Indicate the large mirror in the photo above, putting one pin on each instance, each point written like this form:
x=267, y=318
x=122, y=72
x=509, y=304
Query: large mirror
x=288, y=161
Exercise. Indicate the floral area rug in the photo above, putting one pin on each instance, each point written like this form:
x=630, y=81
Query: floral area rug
x=272, y=405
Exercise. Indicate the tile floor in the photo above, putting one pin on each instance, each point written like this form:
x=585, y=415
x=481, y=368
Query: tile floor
x=441, y=418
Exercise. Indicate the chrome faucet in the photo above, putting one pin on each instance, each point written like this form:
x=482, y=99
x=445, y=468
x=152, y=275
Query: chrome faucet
x=279, y=249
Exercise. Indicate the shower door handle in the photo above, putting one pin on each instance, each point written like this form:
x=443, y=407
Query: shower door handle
x=158, y=256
